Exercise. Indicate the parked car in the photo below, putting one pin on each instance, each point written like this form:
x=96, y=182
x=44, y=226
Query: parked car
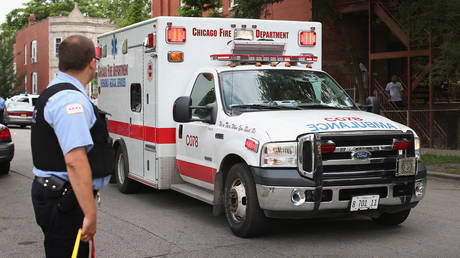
x=6, y=149
x=19, y=109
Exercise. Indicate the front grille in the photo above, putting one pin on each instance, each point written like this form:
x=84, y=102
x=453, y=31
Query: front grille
x=340, y=168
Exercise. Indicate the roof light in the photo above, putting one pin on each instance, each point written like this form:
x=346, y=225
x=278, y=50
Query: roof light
x=252, y=144
x=263, y=58
x=242, y=34
x=307, y=38
x=150, y=41
x=287, y=64
x=273, y=64
x=401, y=144
x=98, y=52
x=309, y=66
x=175, y=56
x=176, y=35
x=258, y=64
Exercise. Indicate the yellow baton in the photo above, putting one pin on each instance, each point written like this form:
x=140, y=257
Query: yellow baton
x=77, y=244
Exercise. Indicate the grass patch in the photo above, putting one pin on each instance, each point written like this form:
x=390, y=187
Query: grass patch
x=430, y=159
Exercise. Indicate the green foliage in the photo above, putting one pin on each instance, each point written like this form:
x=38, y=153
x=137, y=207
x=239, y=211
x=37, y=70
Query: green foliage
x=7, y=74
x=196, y=8
x=430, y=159
x=252, y=8
x=122, y=12
x=438, y=22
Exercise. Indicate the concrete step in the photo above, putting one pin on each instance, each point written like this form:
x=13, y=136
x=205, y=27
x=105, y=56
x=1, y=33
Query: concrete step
x=195, y=192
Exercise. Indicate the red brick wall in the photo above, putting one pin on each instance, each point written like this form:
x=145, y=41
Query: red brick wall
x=38, y=31
x=292, y=10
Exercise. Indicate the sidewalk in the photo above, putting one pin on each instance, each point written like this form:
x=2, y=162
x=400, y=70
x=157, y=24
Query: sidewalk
x=441, y=153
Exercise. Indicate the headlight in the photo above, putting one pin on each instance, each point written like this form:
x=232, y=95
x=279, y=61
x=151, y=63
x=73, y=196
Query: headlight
x=283, y=154
x=417, y=147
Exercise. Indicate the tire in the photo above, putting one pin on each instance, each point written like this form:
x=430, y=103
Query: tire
x=125, y=185
x=392, y=219
x=244, y=216
x=4, y=168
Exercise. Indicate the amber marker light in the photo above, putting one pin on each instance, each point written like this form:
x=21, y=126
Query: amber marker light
x=287, y=64
x=258, y=64
x=175, y=56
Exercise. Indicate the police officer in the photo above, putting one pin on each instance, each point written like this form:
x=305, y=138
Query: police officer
x=71, y=152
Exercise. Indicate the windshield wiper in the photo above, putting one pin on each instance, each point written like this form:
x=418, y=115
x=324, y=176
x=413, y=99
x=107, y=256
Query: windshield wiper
x=322, y=106
x=264, y=106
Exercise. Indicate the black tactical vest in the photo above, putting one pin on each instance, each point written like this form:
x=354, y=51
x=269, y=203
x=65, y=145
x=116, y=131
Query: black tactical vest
x=47, y=153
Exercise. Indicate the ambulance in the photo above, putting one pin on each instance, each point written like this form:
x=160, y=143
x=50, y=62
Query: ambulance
x=238, y=113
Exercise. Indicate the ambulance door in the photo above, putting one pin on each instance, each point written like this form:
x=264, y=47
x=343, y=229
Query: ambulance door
x=150, y=151
x=136, y=133
x=197, y=136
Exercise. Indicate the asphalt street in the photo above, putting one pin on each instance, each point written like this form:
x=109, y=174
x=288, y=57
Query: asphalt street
x=165, y=223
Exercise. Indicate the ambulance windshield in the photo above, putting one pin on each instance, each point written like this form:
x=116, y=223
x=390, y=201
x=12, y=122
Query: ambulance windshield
x=281, y=89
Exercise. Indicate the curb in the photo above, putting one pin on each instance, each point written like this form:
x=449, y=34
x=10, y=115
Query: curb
x=443, y=175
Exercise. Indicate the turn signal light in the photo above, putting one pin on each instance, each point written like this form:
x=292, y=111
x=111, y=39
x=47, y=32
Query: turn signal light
x=401, y=145
x=5, y=134
x=307, y=38
x=98, y=52
x=175, y=56
x=176, y=35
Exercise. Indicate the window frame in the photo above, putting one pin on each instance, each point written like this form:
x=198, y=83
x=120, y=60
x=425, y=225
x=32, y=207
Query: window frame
x=194, y=87
x=33, y=52
x=34, y=83
x=133, y=108
x=56, y=47
x=25, y=54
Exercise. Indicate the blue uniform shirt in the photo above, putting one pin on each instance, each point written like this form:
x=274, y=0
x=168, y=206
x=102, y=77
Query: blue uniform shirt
x=71, y=115
x=2, y=103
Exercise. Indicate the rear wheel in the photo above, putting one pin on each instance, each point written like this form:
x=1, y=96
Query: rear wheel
x=125, y=184
x=242, y=209
x=4, y=168
x=392, y=219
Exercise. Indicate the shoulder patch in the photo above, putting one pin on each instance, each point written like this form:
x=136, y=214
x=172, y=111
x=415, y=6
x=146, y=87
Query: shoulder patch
x=75, y=108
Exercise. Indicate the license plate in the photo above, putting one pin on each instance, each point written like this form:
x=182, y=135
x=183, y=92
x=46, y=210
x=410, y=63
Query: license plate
x=364, y=202
x=23, y=115
x=406, y=166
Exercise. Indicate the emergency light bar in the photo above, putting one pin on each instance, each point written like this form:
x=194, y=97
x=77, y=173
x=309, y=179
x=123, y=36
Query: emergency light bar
x=307, y=38
x=264, y=58
x=176, y=35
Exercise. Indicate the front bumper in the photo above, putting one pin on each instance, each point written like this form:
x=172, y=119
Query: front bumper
x=275, y=189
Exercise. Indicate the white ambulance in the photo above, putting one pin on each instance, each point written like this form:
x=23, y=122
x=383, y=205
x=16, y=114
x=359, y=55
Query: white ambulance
x=239, y=114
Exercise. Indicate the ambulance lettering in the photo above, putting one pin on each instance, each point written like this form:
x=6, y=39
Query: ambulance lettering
x=191, y=141
x=272, y=34
x=120, y=71
x=211, y=33
x=350, y=125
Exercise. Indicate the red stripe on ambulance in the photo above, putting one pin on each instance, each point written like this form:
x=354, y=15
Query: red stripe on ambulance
x=152, y=134
x=196, y=171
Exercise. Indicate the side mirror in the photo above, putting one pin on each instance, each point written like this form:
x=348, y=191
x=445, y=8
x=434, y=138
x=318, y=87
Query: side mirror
x=373, y=105
x=182, y=113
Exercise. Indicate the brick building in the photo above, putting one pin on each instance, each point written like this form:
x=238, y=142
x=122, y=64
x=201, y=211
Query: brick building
x=36, y=45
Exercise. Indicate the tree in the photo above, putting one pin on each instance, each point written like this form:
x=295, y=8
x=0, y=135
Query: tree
x=196, y=8
x=324, y=11
x=122, y=12
x=7, y=74
x=436, y=22
x=252, y=8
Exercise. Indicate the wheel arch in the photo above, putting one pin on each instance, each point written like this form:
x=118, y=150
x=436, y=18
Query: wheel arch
x=219, y=180
x=120, y=144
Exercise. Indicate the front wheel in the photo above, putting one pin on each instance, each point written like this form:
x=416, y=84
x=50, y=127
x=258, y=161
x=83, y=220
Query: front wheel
x=125, y=185
x=242, y=209
x=392, y=219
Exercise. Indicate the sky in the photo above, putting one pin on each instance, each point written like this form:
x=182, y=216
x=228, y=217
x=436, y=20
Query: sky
x=8, y=5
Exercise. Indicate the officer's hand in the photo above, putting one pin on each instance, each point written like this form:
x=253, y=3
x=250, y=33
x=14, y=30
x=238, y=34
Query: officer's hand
x=89, y=228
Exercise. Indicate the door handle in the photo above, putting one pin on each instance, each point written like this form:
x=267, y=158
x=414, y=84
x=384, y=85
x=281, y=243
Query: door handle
x=130, y=122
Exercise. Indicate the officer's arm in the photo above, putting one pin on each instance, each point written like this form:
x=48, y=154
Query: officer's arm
x=80, y=178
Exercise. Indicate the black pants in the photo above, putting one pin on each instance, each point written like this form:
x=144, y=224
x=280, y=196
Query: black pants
x=60, y=229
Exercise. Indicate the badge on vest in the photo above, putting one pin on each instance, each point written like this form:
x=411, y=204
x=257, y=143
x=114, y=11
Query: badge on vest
x=75, y=108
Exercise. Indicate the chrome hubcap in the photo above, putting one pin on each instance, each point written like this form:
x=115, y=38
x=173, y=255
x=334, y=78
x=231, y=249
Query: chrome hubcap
x=121, y=169
x=237, y=201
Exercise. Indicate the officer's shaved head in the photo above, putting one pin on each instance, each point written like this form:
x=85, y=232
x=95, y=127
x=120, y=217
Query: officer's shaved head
x=75, y=53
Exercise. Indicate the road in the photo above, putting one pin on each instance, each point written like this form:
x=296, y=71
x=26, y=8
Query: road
x=165, y=223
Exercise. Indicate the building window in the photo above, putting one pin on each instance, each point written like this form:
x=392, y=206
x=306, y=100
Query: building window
x=33, y=54
x=25, y=54
x=25, y=83
x=34, y=83
x=57, y=42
